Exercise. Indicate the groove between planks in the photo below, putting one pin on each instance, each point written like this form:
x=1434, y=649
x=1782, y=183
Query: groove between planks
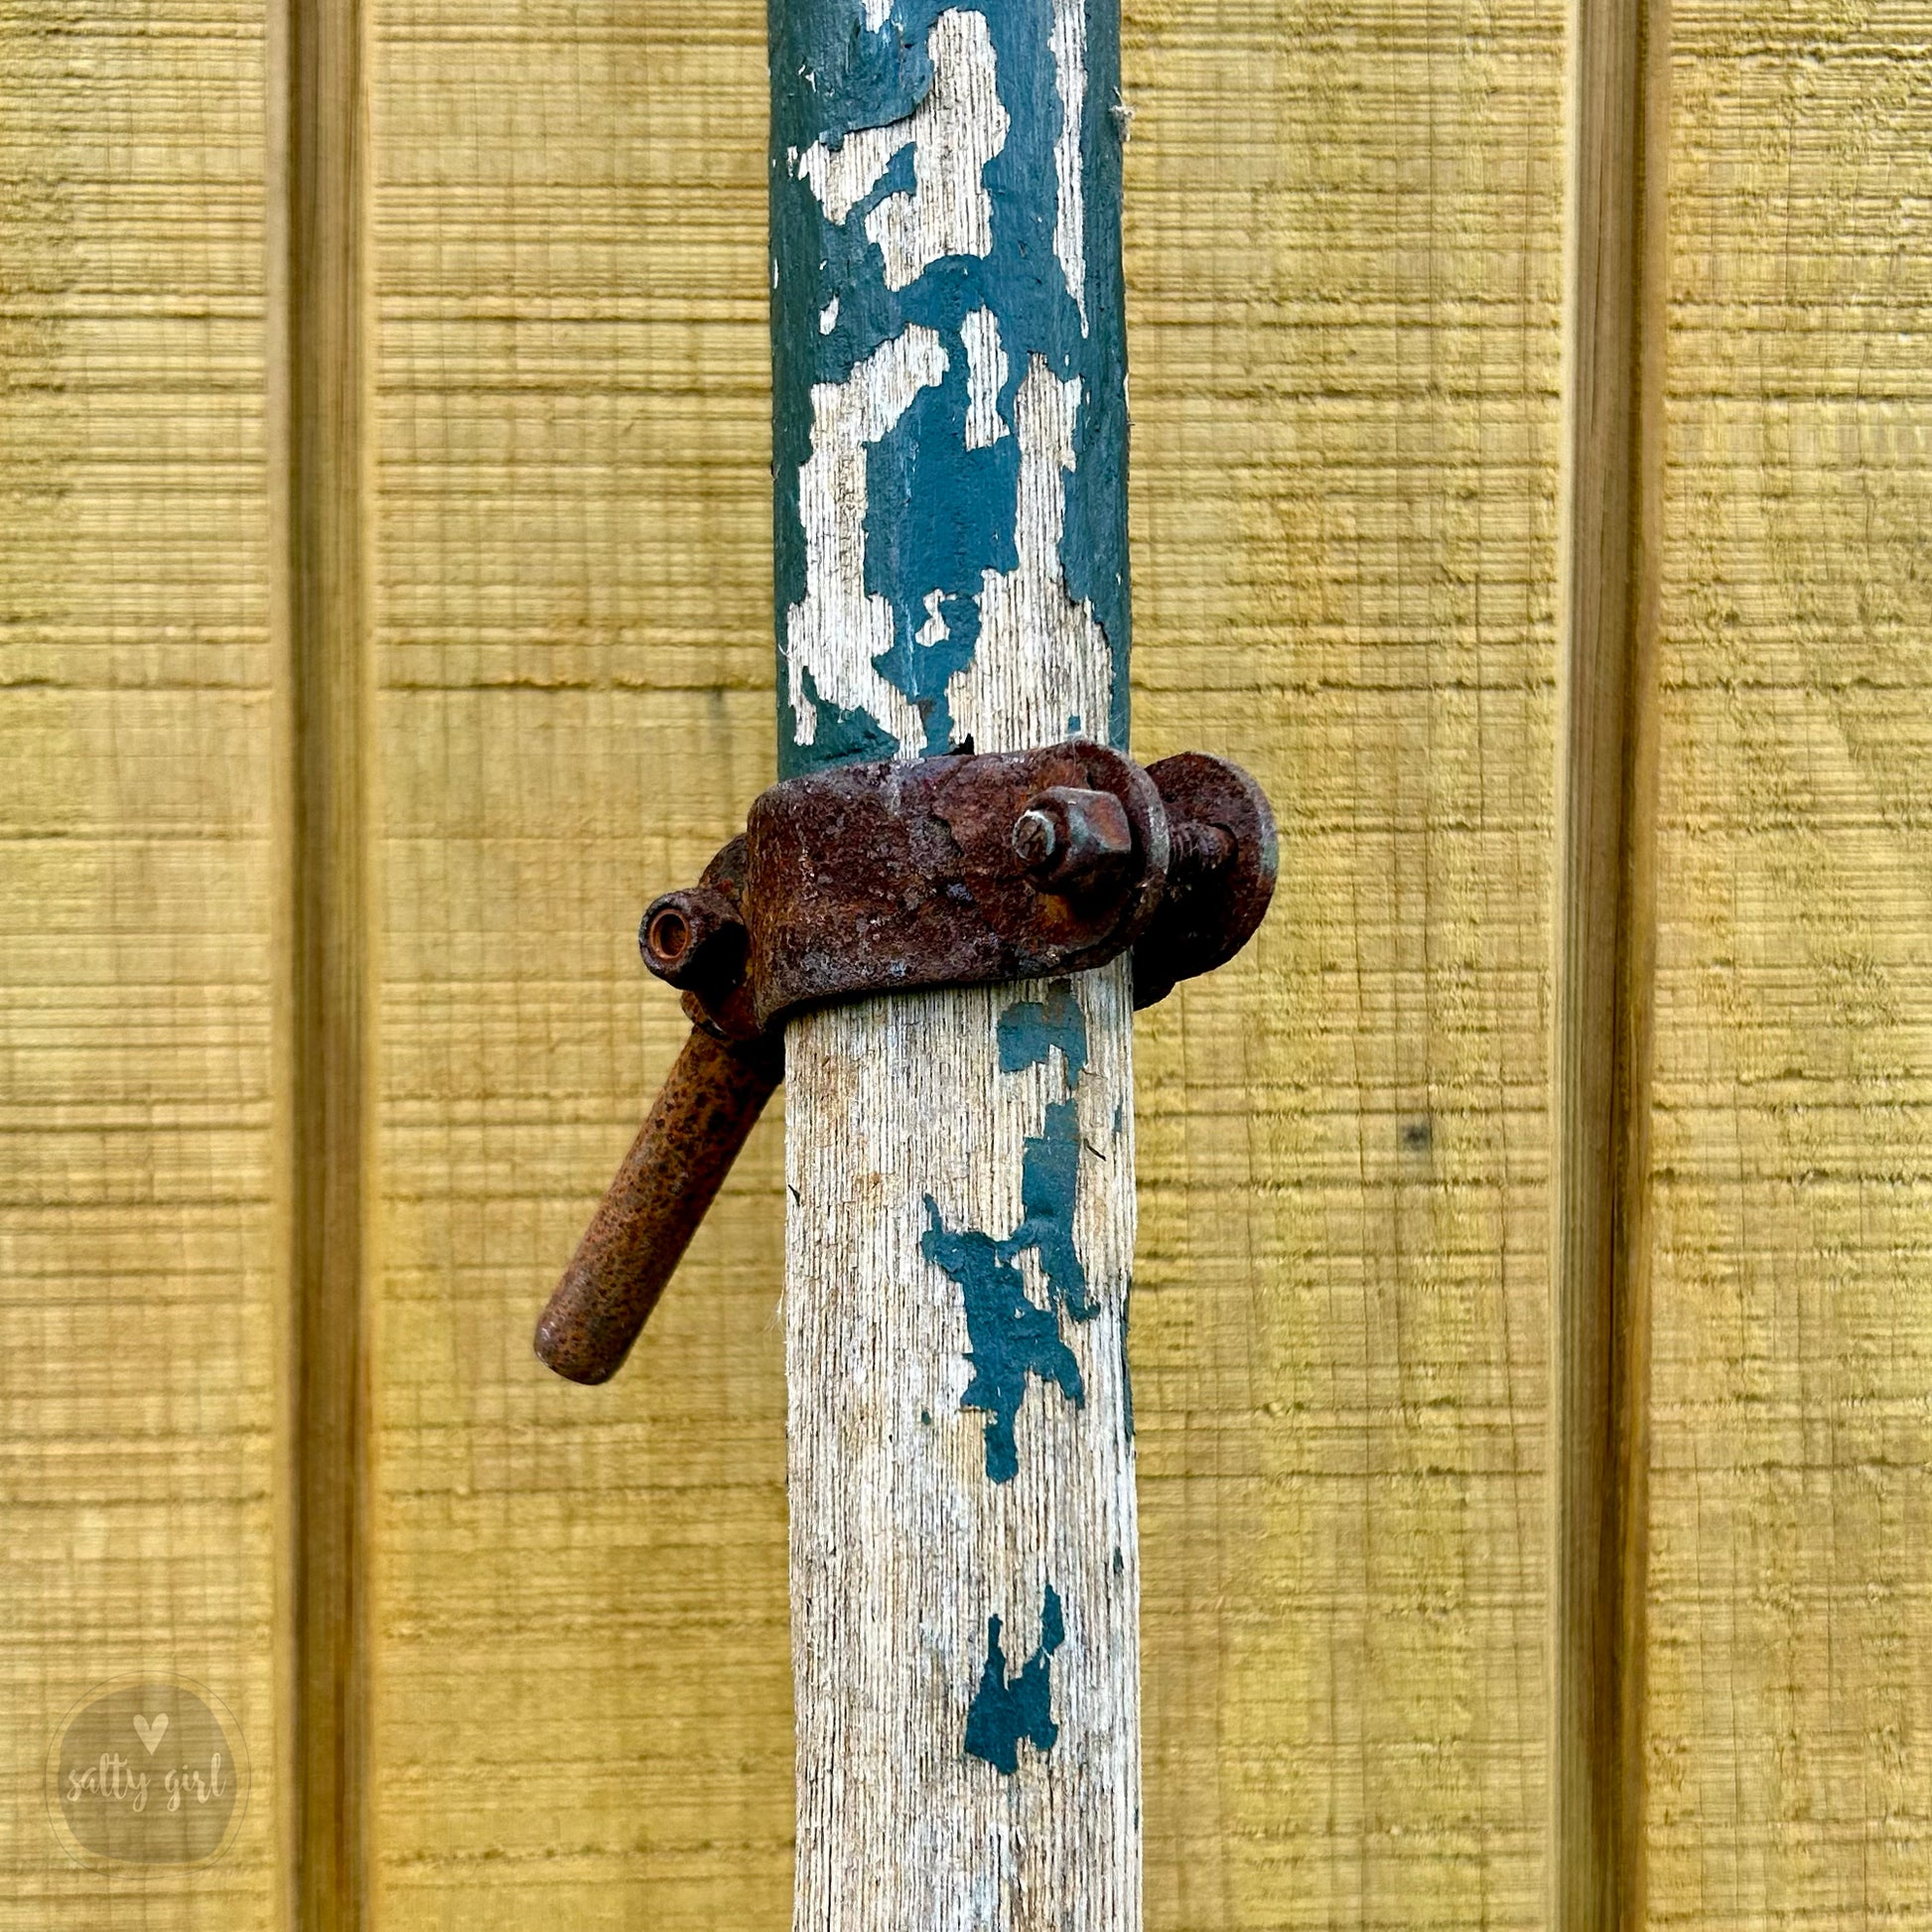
x=318, y=264
x=1604, y=936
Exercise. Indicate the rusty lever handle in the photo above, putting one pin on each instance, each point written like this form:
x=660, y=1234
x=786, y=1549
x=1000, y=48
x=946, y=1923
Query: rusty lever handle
x=685, y=1148
x=866, y=879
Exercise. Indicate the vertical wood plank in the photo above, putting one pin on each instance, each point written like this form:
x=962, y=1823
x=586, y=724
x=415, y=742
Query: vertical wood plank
x=1790, y=1663
x=1344, y=238
x=1344, y=259
x=139, y=1330
x=583, y=1685
x=1608, y=561
x=317, y=379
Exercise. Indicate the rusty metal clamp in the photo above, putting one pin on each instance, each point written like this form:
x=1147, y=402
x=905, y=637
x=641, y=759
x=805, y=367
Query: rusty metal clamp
x=866, y=879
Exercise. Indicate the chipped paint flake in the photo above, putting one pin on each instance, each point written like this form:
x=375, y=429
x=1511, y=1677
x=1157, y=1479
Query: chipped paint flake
x=828, y=317
x=935, y=630
x=1027, y=616
x=954, y=133
x=836, y=631
x=1013, y=1339
x=986, y=377
x=1030, y=1031
x=1068, y=41
x=1006, y=1709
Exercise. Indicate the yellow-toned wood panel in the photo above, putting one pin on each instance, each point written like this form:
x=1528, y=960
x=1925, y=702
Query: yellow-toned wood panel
x=1790, y=1653
x=1344, y=294
x=138, y=1336
x=1344, y=278
x=581, y=1654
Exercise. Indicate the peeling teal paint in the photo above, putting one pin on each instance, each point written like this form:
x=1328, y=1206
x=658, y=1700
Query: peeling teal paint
x=1049, y=1175
x=1003, y=1710
x=1030, y=1029
x=940, y=514
x=896, y=652
x=1010, y=1337
x=847, y=737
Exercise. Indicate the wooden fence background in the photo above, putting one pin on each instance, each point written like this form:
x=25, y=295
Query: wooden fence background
x=546, y=557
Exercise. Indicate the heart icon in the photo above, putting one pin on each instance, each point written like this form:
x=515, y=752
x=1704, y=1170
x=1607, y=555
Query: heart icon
x=151, y=1731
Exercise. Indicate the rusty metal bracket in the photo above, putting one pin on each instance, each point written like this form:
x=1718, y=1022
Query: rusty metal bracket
x=870, y=879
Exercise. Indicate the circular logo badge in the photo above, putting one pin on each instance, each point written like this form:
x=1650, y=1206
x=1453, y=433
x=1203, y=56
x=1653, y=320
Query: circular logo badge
x=150, y=1770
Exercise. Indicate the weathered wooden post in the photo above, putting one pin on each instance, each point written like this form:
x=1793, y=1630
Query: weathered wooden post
x=942, y=939
x=950, y=458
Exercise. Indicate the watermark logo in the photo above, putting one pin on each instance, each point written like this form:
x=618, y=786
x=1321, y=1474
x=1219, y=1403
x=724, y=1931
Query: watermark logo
x=147, y=1771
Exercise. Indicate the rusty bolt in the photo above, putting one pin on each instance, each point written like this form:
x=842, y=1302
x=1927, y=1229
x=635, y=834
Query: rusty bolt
x=694, y=939
x=1036, y=838
x=1068, y=837
x=1200, y=850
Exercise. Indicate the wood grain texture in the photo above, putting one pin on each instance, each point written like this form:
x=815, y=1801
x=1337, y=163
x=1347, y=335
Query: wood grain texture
x=1345, y=248
x=959, y=1164
x=916, y=1575
x=139, y=1333
x=1608, y=563
x=1344, y=269
x=1344, y=238
x=1342, y=232
x=319, y=455
x=1790, y=1655
x=583, y=1709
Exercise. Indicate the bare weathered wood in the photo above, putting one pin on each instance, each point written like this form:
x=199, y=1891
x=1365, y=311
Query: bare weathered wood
x=904, y=1552
x=949, y=457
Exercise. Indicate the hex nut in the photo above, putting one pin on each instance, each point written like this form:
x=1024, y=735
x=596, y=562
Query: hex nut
x=1070, y=837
